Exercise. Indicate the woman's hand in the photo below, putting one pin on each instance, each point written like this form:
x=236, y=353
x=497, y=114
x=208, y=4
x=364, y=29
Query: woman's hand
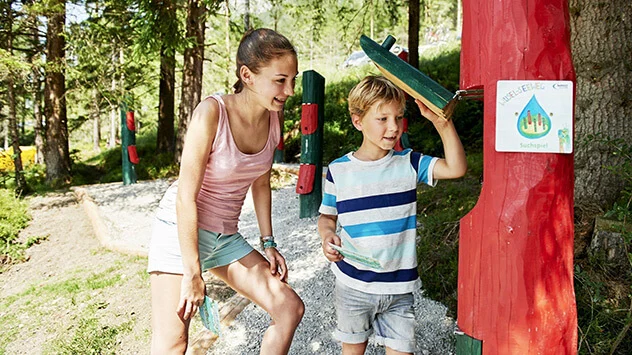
x=277, y=263
x=192, y=291
x=330, y=253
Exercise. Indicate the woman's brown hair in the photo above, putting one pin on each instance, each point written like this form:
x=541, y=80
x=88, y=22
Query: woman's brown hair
x=257, y=48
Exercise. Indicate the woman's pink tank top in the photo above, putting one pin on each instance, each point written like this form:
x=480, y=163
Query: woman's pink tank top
x=228, y=175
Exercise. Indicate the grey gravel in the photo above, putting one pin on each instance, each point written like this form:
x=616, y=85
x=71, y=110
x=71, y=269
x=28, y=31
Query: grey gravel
x=127, y=211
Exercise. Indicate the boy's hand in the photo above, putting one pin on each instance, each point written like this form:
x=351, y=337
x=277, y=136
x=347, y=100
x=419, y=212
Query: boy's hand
x=331, y=254
x=428, y=114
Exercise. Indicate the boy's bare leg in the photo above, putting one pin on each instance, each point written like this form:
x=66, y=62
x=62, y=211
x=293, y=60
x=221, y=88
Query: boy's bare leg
x=169, y=332
x=251, y=277
x=353, y=349
x=390, y=351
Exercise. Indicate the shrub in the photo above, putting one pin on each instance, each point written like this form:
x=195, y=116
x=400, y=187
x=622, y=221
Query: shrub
x=6, y=158
x=14, y=217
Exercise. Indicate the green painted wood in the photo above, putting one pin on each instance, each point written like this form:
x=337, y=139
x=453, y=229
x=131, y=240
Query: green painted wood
x=278, y=156
x=466, y=345
x=128, y=138
x=312, y=144
x=410, y=79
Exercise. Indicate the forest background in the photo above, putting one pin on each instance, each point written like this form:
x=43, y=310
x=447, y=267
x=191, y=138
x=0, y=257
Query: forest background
x=66, y=67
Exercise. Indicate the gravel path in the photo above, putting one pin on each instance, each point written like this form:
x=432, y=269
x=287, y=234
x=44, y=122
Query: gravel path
x=127, y=212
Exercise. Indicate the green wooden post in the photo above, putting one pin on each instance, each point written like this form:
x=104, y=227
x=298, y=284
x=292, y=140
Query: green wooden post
x=278, y=152
x=309, y=184
x=128, y=145
x=466, y=345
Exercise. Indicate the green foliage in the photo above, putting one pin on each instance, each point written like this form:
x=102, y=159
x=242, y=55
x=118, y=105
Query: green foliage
x=14, y=217
x=604, y=291
x=438, y=213
x=107, y=165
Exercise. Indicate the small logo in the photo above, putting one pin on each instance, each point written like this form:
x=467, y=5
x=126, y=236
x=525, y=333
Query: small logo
x=560, y=86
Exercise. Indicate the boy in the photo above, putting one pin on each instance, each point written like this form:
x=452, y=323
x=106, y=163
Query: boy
x=372, y=193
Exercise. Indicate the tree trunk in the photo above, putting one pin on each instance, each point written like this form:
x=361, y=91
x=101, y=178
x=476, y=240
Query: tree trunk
x=5, y=132
x=227, y=42
x=602, y=42
x=247, y=25
x=114, y=122
x=38, y=128
x=96, y=122
x=36, y=86
x=192, y=71
x=56, y=153
x=413, y=33
x=20, y=182
x=165, y=135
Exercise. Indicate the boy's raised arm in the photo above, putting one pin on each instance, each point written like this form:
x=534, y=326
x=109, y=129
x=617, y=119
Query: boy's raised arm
x=454, y=165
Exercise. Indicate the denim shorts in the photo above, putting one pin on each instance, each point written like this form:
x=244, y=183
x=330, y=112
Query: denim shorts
x=390, y=317
x=216, y=249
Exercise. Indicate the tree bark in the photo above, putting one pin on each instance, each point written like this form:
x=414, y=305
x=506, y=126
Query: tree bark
x=114, y=122
x=96, y=121
x=38, y=127
x=227, y=43
x=601, y=39
x=192, y=71
x=56, y=153
x=165, y=135
x=247, y=24
x=413, y=33
x=20, y=182
x=36, y=86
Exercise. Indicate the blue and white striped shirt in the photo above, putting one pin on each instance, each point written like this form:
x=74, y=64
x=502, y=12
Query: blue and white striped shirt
x=376, y=205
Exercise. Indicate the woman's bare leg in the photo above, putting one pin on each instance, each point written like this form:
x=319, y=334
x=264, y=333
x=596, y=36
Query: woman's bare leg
x=251, y=277
x=170, y=334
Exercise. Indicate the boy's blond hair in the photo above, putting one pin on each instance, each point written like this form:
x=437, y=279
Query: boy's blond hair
x=372, y=89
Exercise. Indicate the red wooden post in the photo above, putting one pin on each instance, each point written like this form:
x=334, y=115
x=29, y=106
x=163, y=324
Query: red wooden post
x=516, y=246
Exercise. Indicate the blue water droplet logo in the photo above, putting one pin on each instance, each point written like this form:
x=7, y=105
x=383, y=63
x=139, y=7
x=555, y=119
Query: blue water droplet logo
x=533, y=121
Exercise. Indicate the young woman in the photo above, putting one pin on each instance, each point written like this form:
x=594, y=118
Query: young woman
x=228, y=149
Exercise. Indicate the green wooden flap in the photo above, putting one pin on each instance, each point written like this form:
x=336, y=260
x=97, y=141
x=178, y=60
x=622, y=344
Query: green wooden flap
x=410, y=79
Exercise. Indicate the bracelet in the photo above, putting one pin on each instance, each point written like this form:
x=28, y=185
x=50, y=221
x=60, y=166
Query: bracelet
x=267, y=242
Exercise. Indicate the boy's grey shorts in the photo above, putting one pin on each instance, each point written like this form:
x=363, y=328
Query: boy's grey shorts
x=391, y=317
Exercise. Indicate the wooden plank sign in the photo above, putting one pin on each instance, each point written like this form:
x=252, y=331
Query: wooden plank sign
x=408, y=78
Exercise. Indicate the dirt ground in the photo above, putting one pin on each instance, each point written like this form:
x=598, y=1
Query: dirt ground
x=71, y=254
x=40, y=306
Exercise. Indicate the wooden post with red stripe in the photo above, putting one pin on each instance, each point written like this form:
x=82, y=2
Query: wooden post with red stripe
x=309, y=184
x=128, y=145
x=515, y=283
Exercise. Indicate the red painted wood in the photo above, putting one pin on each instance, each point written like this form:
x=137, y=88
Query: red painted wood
x=309, y=118
x=129, y=121
x=133, y=154
x=306, y=176
x=516, y=246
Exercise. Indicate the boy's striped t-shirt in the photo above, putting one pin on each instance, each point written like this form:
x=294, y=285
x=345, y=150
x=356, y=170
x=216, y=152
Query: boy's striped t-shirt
x=376, y=205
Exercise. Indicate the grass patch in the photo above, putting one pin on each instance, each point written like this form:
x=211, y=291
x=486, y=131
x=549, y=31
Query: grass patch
x=90, y=337
x=74, y=311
